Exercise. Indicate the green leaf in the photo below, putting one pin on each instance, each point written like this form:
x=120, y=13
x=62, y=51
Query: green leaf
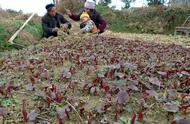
x=180, y=75
x=7, y=102
x=120, y=82
x=124, y=119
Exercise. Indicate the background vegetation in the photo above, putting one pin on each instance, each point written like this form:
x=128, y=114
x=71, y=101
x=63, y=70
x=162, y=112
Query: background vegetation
x=155, y=19
x=10, y=22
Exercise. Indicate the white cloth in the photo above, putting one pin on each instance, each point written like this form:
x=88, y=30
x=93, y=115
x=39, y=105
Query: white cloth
x=90, y=4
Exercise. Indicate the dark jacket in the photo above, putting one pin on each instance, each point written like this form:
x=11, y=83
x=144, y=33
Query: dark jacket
x=95, y=16
x=48, y=23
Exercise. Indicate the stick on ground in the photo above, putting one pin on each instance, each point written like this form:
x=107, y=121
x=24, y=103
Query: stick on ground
x=20, y=29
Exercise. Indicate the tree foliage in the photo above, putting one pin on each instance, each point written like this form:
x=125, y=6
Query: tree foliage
x=127, y=3
x=156, y=2
x=105, y=2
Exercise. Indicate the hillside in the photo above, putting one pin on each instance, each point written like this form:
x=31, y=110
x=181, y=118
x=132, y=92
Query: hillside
x=10, y=22
x=151, y=20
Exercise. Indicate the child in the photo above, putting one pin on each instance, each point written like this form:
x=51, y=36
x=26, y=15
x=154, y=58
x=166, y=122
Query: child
x=89, y=25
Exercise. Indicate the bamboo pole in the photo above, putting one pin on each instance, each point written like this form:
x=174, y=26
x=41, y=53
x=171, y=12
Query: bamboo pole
x=20, y=29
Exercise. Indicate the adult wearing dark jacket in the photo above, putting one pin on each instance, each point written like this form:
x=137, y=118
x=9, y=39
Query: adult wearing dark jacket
x=52, y=21
x=94, y=15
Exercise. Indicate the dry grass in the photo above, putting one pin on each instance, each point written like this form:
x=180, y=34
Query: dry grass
x=73, y=5
x=164, y=39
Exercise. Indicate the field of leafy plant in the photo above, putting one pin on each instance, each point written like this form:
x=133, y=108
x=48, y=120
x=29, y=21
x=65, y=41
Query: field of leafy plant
x=95, y=80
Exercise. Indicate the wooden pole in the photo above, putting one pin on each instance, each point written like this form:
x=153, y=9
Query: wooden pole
x=20, y=29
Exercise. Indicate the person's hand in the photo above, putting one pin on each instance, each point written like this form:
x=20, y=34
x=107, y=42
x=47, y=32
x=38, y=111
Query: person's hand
x=68, y=12
x=81, y=32
x=55, y=29
x=65, y=26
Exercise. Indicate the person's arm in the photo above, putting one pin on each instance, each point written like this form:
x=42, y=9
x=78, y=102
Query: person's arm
x=89, y=26
x=102, y=23
x=64, y=21
x=45, y=26
x=75, y=17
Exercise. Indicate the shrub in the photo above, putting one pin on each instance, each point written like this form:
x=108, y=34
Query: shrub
x=73, y=5
x=3, y=35
x=158, y=20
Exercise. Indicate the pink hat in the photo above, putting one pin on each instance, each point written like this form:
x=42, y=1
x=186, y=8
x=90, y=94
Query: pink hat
x=90, y=4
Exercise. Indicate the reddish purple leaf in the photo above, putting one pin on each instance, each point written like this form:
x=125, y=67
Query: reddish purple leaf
x=152, y=93
x=29, y=87
x=100, y=109
x=104, y=120
x=10, y=85
x=94, y=90
x=40, y=94
x=115, y=66
x=181, y=121
x=140, y=116
x=185, y=73
x=66, y=74
x=119, y=75
x=162, y=73
x=172, y=93
x=130, y=66
x=133, y=87
x=133, y=118
x=155, y=81
x=170, y=107
x=3, y=111
x=142, y=102
x=122, y=97
x=53, y=95
x=2, y=85
x=32, y=116
x=100, y=75
x=62, y=112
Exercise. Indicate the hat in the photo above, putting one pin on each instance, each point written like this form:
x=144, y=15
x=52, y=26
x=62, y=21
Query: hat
x=49, y=6
x=84, y=14
x=90, y=4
